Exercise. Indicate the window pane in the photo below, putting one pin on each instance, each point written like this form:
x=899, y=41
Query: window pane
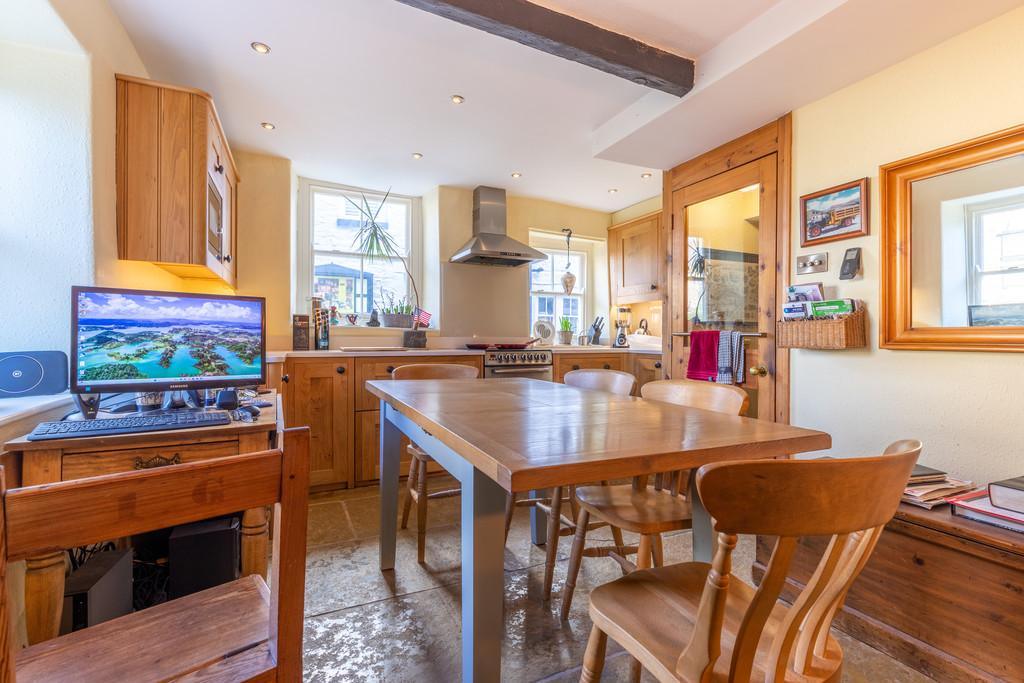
x=546, y=276
x=337, y=219
x=1007, y=288
x=1002, y=238
x=571, y=309
x=355, y=285
x=542, y=275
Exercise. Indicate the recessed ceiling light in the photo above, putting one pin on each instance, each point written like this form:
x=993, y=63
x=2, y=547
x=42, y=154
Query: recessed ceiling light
x=645, y=176
x=417, y=156
x=613, y=190
x=458, y=99
x=262, y=48
x=267, y=125
x=517, y=174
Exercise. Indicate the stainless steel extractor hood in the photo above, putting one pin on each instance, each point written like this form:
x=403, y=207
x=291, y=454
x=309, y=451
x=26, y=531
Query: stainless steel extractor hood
x=491, y=245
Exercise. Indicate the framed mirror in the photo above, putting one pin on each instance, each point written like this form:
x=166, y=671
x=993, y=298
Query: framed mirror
x=952, y=243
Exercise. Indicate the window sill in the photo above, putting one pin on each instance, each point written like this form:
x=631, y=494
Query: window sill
x=343, y=330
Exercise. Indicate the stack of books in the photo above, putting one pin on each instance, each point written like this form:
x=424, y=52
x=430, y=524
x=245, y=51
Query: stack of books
x=1002, y=505
x=929, y=487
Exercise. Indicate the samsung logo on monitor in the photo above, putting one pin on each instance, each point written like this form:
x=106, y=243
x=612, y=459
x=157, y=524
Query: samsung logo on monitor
x=172, y=387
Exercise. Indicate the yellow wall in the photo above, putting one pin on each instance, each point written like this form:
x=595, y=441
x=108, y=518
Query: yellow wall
x=722, y=222
x=965, y=407
x=637, y=210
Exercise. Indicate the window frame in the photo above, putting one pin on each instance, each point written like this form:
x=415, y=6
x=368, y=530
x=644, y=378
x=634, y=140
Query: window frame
x=306, y=252
x=974, y=215
x=580, y=290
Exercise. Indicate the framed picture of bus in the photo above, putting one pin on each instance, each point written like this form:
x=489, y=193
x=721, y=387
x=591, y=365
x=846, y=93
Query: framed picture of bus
x=838, y=213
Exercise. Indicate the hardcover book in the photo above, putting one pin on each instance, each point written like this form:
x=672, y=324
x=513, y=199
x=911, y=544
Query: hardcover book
x=1008, y=494
x=978, y=507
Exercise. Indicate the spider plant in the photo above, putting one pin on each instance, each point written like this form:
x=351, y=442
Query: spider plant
x=375, y=242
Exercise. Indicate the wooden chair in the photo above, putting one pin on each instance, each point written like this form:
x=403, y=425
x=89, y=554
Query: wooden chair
x=696, y=622
x=237, y=631
x=612, y=381
x=649, y=512
x=416, y=491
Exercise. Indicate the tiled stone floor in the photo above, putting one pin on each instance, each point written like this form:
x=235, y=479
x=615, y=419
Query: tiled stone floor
x=362, y=625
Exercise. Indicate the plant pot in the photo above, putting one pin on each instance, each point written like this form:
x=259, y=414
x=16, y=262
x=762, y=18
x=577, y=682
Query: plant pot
x=396, y=319
x=565, y=337
x=414, y=339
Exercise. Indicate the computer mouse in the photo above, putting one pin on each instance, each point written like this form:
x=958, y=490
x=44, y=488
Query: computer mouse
x=251, y=409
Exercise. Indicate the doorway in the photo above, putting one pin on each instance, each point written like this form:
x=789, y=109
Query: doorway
x=728, y=247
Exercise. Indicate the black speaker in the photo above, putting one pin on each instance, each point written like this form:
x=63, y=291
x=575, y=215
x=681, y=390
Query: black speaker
x=33, y=373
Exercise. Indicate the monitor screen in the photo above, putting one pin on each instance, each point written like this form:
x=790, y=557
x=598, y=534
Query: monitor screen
x=132, y=340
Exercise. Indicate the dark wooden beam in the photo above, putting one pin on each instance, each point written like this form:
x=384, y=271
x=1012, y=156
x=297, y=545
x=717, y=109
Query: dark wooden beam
x=570, y=38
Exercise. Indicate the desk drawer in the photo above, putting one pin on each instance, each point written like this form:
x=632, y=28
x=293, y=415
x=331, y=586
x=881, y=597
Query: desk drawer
x=380, y=368
x=90, y=464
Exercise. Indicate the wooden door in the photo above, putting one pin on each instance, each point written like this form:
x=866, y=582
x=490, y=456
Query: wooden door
x=723, y=272
x=635, y=260
x=320, y=397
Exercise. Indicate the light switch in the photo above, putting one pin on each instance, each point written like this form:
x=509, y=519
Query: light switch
x=812, y=263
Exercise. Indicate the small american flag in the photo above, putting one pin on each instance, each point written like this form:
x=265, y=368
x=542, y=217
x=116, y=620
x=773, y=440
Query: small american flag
x=421, y=318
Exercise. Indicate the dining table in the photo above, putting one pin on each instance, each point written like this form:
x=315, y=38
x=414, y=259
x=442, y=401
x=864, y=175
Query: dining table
x=498, y=436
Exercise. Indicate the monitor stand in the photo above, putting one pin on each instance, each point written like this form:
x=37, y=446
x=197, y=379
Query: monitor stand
x=88, y=405
x=185, y=398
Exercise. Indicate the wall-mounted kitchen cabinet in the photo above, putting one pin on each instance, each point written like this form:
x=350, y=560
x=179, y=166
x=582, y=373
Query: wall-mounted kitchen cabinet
x=176, y=181
x=635, y=260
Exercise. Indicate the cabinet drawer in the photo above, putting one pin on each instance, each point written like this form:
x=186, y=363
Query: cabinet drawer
x=380, y=368
x=91, y=464
x=567, y=363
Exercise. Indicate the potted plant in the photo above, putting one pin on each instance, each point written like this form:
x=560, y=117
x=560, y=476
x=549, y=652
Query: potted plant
x=375, y=243
x=565, y=330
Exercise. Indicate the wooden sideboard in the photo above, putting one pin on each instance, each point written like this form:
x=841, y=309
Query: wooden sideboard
x=942, y=594
x=32, y=463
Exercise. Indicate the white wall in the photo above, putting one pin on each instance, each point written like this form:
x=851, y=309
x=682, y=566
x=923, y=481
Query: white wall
x=46, y=243
x=966, y=407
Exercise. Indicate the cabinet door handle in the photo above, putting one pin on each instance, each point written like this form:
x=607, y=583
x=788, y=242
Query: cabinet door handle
x=219, y=168
x=341, y=370
x=391, y=368
x=657, y=365
x=654, y=286
x=285, y=378
x=227, y=259
x=607, y=367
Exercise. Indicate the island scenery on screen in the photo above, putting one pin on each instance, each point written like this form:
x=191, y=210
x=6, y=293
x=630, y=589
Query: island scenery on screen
x=135, y=337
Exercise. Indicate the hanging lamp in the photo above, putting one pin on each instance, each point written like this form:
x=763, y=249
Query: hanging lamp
x=568, y=278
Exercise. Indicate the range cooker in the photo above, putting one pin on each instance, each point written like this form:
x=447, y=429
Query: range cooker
x=531, y=363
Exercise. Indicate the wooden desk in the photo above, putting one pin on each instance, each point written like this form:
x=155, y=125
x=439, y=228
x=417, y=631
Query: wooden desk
x=942, y=594
x=45, y=462
x=501, y=435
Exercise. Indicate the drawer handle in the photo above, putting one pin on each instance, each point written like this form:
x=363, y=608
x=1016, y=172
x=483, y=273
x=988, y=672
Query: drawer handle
x=575, y=367
x=156, y=461
x=285, y=378
x=391, y=368
x=657, y=365
x=653, y=286
x=341, y=370
x=607, y=367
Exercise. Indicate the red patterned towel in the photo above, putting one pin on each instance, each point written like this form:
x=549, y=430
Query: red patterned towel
x=703, y=364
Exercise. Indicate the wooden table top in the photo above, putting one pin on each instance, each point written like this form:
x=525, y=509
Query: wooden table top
x=530, y=434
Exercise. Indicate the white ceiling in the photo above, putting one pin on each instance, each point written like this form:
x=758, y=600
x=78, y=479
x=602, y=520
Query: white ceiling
x=355, y=87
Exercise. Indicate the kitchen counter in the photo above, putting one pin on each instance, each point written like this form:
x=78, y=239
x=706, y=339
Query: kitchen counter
x=355, y=352
x=598, y=349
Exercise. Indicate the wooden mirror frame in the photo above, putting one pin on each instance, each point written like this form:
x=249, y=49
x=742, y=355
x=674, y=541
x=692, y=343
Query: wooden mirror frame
x=896, y=330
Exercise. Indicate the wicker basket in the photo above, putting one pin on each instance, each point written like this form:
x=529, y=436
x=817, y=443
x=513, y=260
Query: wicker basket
x=843, y=333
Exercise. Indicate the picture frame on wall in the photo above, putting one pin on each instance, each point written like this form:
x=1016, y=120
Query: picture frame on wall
x=836, y=213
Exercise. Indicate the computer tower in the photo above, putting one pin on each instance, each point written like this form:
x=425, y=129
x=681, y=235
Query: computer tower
x=202, y=555
x=99, y=590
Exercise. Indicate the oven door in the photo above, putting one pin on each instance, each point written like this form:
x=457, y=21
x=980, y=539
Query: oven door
x=530, y=371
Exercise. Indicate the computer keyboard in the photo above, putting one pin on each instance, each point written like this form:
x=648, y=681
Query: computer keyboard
x=128, y=425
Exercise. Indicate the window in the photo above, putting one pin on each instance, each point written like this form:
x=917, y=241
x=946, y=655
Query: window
x=996, y=252
x=548, y=300
x=335, y=270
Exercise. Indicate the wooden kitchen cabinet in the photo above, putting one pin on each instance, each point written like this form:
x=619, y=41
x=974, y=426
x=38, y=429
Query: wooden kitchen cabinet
x=319, y=395
x=567, y=362
x=176, y=181
x=646, y=367
x=635, y=260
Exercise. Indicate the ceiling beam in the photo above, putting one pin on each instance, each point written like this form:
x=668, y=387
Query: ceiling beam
x=564, y=36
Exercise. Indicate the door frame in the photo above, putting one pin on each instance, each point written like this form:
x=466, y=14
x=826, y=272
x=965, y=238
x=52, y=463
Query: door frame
x=773, y=138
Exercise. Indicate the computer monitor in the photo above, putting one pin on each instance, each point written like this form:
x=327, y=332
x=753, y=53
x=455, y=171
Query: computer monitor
x=133, y=340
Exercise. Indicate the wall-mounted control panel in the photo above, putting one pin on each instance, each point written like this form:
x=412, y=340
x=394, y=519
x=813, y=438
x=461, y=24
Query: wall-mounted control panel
x=812, y=263
x=851, y=264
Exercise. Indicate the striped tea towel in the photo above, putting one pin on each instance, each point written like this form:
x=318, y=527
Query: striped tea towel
x=731, y=358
